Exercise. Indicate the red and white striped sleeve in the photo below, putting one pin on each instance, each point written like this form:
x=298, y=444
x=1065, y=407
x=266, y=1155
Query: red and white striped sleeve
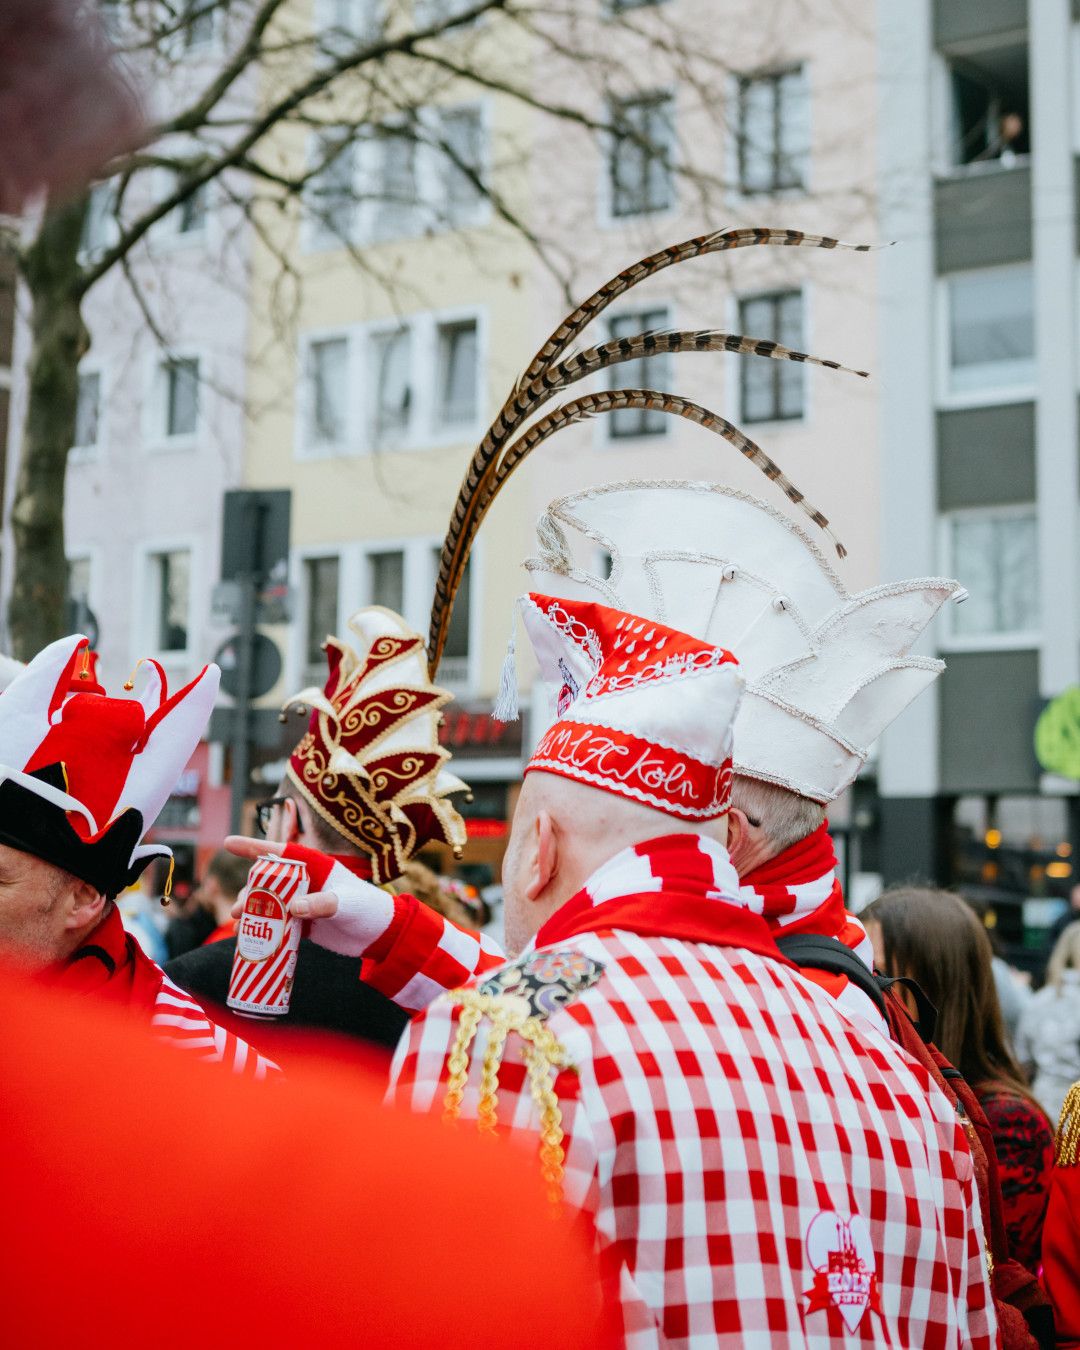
x=409, y=953
x=422, y=955
x=177, y=1020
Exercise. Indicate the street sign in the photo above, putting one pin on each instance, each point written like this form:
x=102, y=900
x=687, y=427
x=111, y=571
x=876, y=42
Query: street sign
x=273, y=604
x=265, y=665
x=1057, y=734
x=255, y=536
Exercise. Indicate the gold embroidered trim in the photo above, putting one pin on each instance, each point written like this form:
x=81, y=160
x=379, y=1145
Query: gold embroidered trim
x=543, y=1056
x=1068, y=1137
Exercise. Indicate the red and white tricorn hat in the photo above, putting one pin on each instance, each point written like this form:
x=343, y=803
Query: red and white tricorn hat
x=641, y=710
x=83, y=776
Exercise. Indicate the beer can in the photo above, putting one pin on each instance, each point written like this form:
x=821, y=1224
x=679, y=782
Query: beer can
x=267, y=939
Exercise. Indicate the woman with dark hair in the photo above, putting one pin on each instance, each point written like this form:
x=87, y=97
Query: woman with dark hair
x=937, y=940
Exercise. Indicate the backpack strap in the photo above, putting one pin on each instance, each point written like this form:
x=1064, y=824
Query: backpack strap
x=814, y=951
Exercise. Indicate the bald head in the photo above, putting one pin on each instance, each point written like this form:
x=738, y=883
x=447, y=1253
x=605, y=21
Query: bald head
x=562, y=832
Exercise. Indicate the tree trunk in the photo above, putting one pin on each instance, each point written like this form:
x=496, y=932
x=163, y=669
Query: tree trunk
x=50, y=267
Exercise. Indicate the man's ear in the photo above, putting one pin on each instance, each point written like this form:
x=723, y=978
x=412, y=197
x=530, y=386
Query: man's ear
x=737, y=827
x=294, y=826
x=84, y=904
x=546, y=862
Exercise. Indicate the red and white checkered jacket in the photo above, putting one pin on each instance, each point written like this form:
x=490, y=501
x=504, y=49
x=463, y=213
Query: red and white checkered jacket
x=761, y=1168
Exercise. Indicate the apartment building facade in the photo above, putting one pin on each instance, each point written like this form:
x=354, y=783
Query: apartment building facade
x=160, y=415
x=979, y=165
x=418, y=305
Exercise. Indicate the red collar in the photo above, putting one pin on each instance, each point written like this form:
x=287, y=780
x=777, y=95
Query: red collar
x=110, y=962
x=686, y=907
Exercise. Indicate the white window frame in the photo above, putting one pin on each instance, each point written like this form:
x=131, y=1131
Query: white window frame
x=758, y=430
x=211, y=46
x=142, y=643
x=89, y=254
x=155, y=407
x=732, y=152
x=951, y=641
x=476, y=583
x=424, y=432
x=431, y=165
x=297, y=654
x=604, y=438
x=92, y=555
x=166, y=231
x=306, y=447
x=315, y=237
x=366, y=23
x=607, y=218
x=995, y=391
x=89, y=454
x=355, y=591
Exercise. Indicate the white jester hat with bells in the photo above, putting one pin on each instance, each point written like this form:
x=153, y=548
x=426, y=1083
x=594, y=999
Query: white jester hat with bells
x=83, y=776
x=826, y=670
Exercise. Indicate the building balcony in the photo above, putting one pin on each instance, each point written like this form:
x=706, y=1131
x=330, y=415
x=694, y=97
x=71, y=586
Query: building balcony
x=982, y=216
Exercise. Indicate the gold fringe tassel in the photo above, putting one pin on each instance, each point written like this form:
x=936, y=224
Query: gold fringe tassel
x=543, y=1055
x=1068, y=1137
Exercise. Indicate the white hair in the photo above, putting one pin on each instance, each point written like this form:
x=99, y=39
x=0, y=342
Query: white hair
x=784, y=816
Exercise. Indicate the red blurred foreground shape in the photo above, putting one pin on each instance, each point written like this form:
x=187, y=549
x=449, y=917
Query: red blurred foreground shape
x=293, y=1214
x=64, y=106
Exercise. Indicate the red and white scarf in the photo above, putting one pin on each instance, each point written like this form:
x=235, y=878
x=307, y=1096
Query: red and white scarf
x=798, y=892
x=680, y=886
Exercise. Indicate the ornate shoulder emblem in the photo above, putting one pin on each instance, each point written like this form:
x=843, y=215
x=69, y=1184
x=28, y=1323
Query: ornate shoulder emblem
x=545, y=981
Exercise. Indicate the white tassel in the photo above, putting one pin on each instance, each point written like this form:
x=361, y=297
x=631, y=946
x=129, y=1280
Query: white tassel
x=506, y=705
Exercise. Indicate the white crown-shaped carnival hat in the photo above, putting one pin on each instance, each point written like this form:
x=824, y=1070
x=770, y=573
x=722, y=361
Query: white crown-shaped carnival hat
x=826, y=671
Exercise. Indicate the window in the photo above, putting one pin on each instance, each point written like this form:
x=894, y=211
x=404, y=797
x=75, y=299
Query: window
x=428, y=12
x=457, y=371
x=640, y=163
x=344, y=25
x=772, y=391
x=991, y=330
x=647, y=372
x=331, y=192
x=322, y=581
x=112, y=17
x=393, y=390
x=995, y=557
x=461, y=131
x=988, y=107
x=619, y=6
x=181, y=396
x=88, y=411
x=170, y=600
x=79, y=617
x=197, y=21
x=454, y=666
x=327, y=400
x=774, y=131
x=386, y=580
x=99, y=223
x=396, y=191
x=190, y=216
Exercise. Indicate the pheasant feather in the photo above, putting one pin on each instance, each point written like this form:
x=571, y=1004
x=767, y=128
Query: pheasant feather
x=546, y=376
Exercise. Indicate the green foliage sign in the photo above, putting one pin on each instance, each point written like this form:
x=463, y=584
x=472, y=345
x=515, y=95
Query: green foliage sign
x=1057, y=735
